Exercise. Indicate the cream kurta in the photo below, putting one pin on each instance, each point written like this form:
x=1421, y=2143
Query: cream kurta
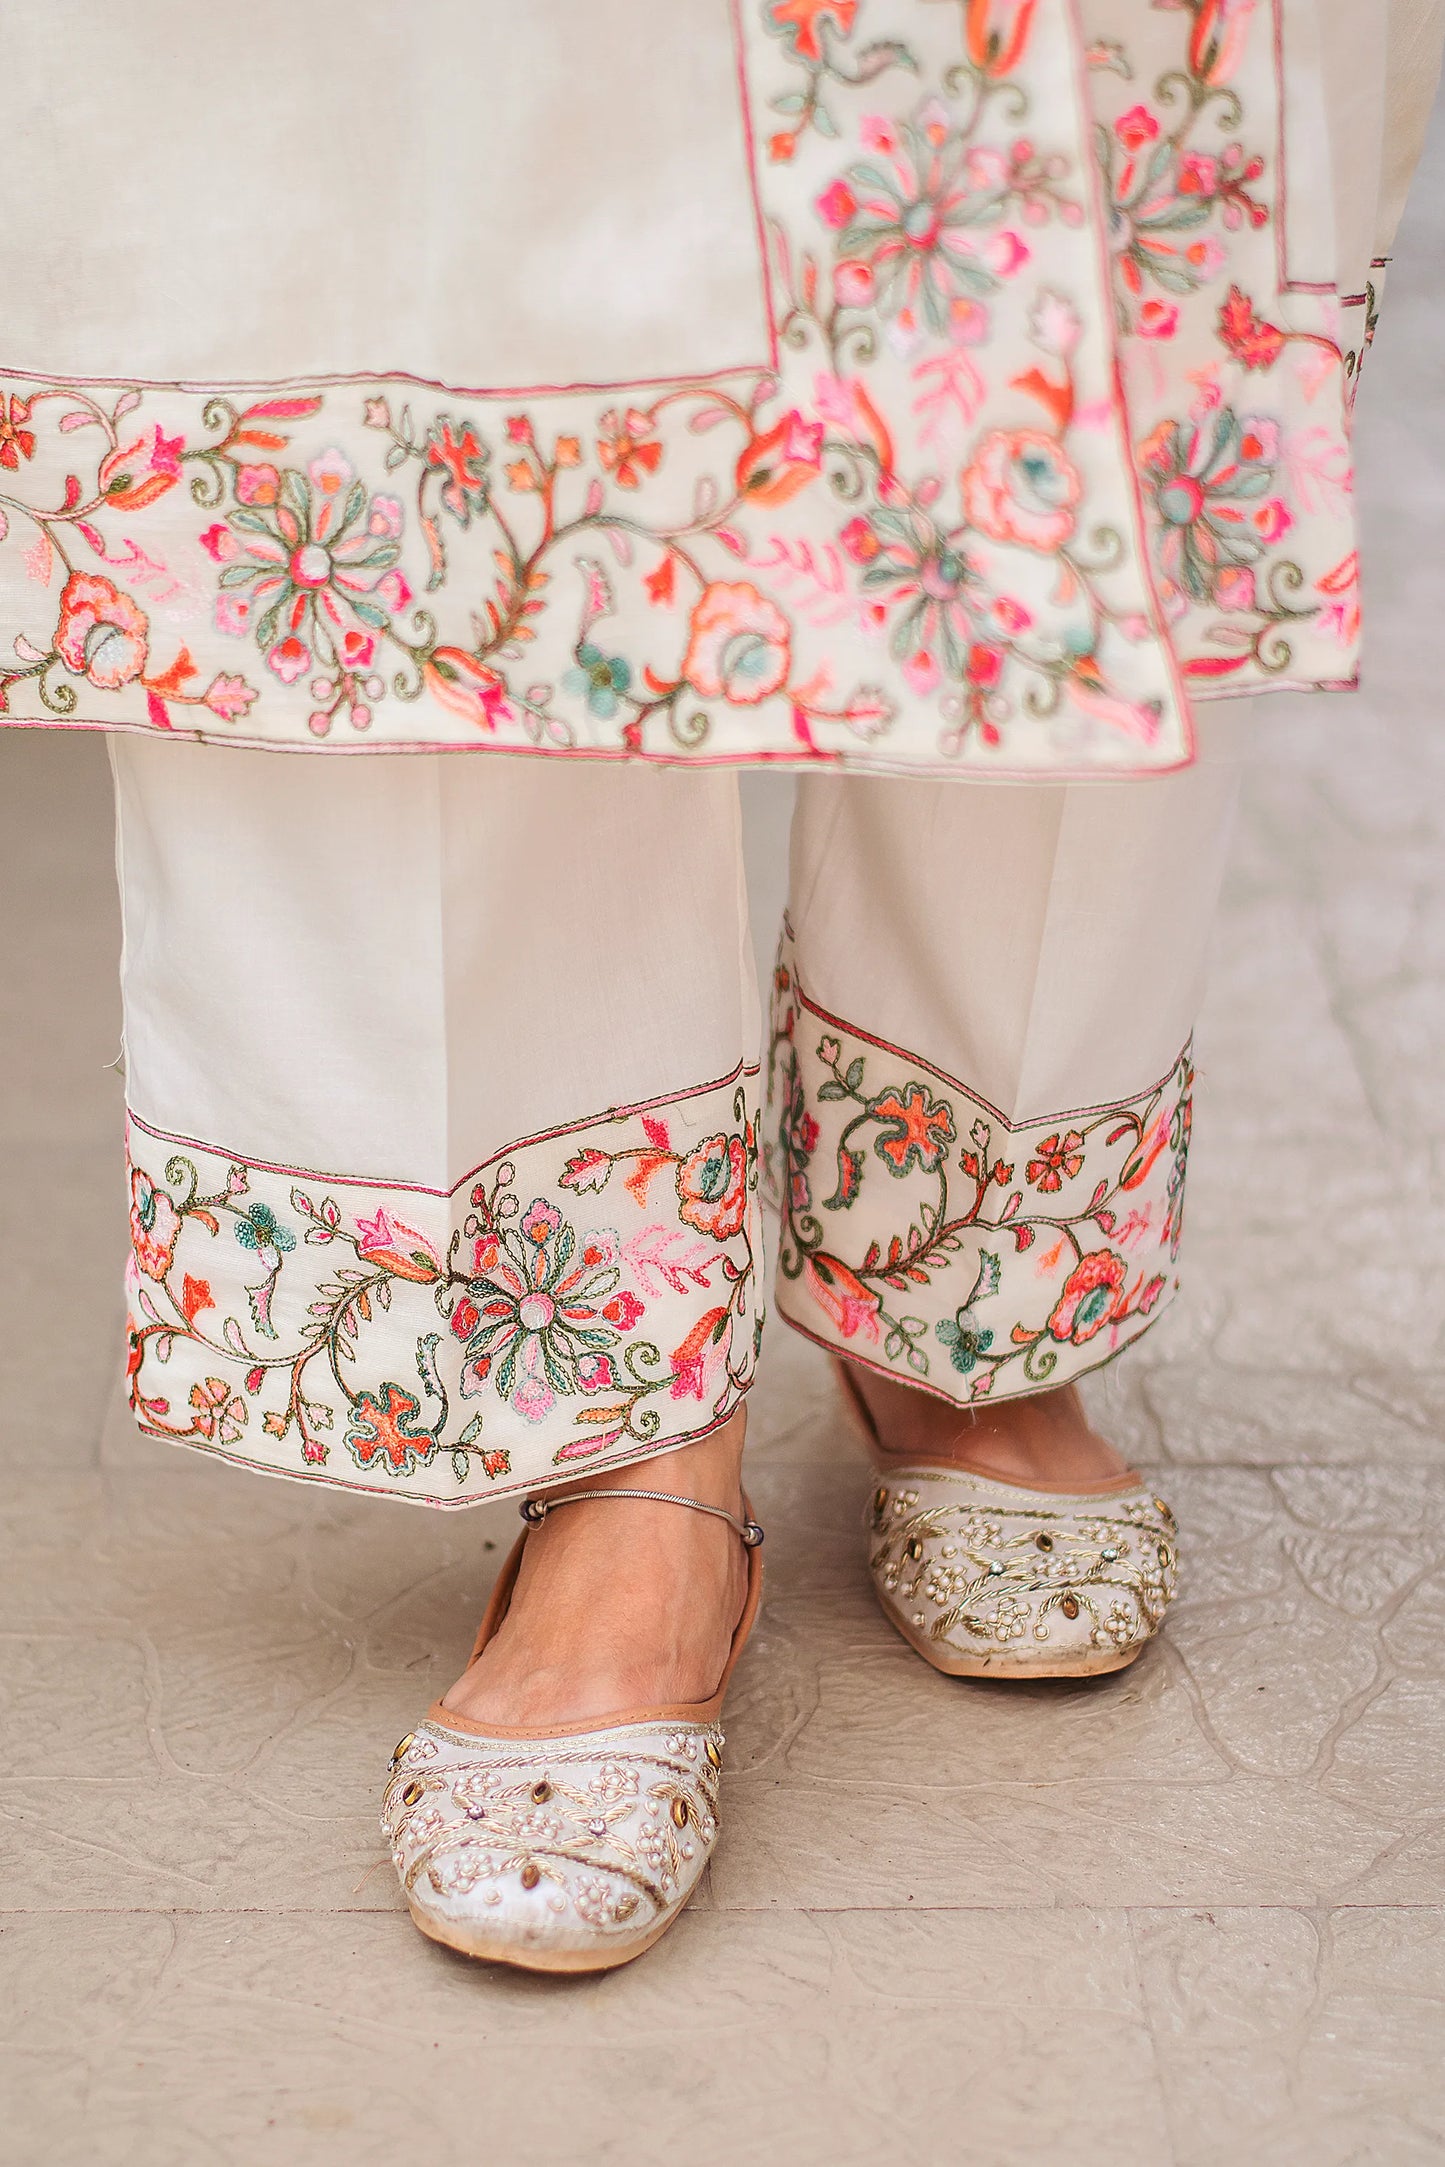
x=940, y=386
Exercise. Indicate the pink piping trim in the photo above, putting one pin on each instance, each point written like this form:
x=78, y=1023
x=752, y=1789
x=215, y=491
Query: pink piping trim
x=788, y=762
x=417, y=1188
x=956, y=1083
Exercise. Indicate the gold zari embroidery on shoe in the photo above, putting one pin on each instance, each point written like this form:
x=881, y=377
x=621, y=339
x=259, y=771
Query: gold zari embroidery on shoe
x=985, y=1566
x=607, y=1833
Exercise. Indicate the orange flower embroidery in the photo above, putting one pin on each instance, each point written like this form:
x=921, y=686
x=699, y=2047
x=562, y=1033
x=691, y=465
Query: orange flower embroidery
x=17, y=442
x=998, y=31
x=628, y=447
x=914, y=1130
x=803, y=21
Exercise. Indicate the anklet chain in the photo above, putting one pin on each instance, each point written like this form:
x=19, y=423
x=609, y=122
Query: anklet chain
x=534, y=1510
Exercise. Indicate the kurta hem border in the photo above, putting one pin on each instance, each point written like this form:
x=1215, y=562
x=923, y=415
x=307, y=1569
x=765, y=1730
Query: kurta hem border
x=1045, y=441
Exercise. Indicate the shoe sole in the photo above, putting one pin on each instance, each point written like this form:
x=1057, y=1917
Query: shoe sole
x=491, y=1948
x=957, y=1664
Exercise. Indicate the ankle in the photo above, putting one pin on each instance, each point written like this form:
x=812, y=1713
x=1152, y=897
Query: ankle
x=710, y=1470
x=620, y=1605
x=1043, y=1440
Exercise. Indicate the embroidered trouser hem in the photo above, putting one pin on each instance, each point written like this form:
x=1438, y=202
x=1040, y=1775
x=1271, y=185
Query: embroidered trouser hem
x=979, y=1071
x=443, y=1131
x=443, y=1084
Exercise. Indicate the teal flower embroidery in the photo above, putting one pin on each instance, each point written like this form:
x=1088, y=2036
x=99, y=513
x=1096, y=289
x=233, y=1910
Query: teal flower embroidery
x=598, y=680
x=964, y=1338
x=259, y=1229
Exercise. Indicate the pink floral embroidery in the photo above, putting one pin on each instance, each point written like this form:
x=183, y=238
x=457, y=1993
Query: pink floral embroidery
x=1022, y=488
x=739, y=648
x=101, y=634
x=136, y=476
x=154, y=1225
x=1041, y=435
x=492, y=1335
x=909, y=1233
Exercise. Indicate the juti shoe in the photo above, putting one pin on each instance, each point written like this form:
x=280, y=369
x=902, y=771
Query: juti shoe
x=992, y=1579
x=568, y=1849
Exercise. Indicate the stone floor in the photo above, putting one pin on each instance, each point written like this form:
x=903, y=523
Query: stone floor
x=1192, y=1914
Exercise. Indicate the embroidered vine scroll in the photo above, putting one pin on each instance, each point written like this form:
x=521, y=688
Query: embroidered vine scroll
x=1011, y=437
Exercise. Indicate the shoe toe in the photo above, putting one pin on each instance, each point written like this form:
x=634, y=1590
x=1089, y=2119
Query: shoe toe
x=564, y=1854
x=985, y=1578
x=478, y=1897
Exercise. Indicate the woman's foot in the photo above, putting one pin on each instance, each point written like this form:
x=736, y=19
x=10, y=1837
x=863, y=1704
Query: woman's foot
x=1042, y=1441
x=620, y=1605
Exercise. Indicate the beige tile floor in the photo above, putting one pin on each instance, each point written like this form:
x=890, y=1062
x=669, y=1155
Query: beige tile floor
x=1190, y=1915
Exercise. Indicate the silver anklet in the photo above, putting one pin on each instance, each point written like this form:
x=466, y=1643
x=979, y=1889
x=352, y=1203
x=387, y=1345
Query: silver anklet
x=534, y=1510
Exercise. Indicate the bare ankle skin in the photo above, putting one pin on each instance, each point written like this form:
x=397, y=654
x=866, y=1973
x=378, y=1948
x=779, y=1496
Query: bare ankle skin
x=621, y=1605
x=1042, y=1440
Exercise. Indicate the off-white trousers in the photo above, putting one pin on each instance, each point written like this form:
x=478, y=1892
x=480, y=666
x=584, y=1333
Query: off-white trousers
x=445, y=1130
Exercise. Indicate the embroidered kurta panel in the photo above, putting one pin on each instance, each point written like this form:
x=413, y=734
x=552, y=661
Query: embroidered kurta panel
x=936, y=386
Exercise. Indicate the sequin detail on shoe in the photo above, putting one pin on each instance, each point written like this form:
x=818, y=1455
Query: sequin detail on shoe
x=984, y=1578
x=563, y=1853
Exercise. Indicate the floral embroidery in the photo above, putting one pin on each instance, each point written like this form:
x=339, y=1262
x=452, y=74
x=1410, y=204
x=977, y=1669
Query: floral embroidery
x=1192, y=210
x=307, y=566
x=452, y=1344
x=1058, y=1156
x=154, y=1225
x=712, y=1186
x=17, y=438
x=101, y=634
x=952, y=1271
x=739, y=649
x=217, y=1411
x=1212, y=483
x=1164, y=197
x=391, y=1424
x=1021, y=488
x=926, y=533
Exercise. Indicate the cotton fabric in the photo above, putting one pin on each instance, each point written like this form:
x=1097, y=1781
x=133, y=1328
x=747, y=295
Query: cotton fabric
x=446, y=1135
x=932, y=386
